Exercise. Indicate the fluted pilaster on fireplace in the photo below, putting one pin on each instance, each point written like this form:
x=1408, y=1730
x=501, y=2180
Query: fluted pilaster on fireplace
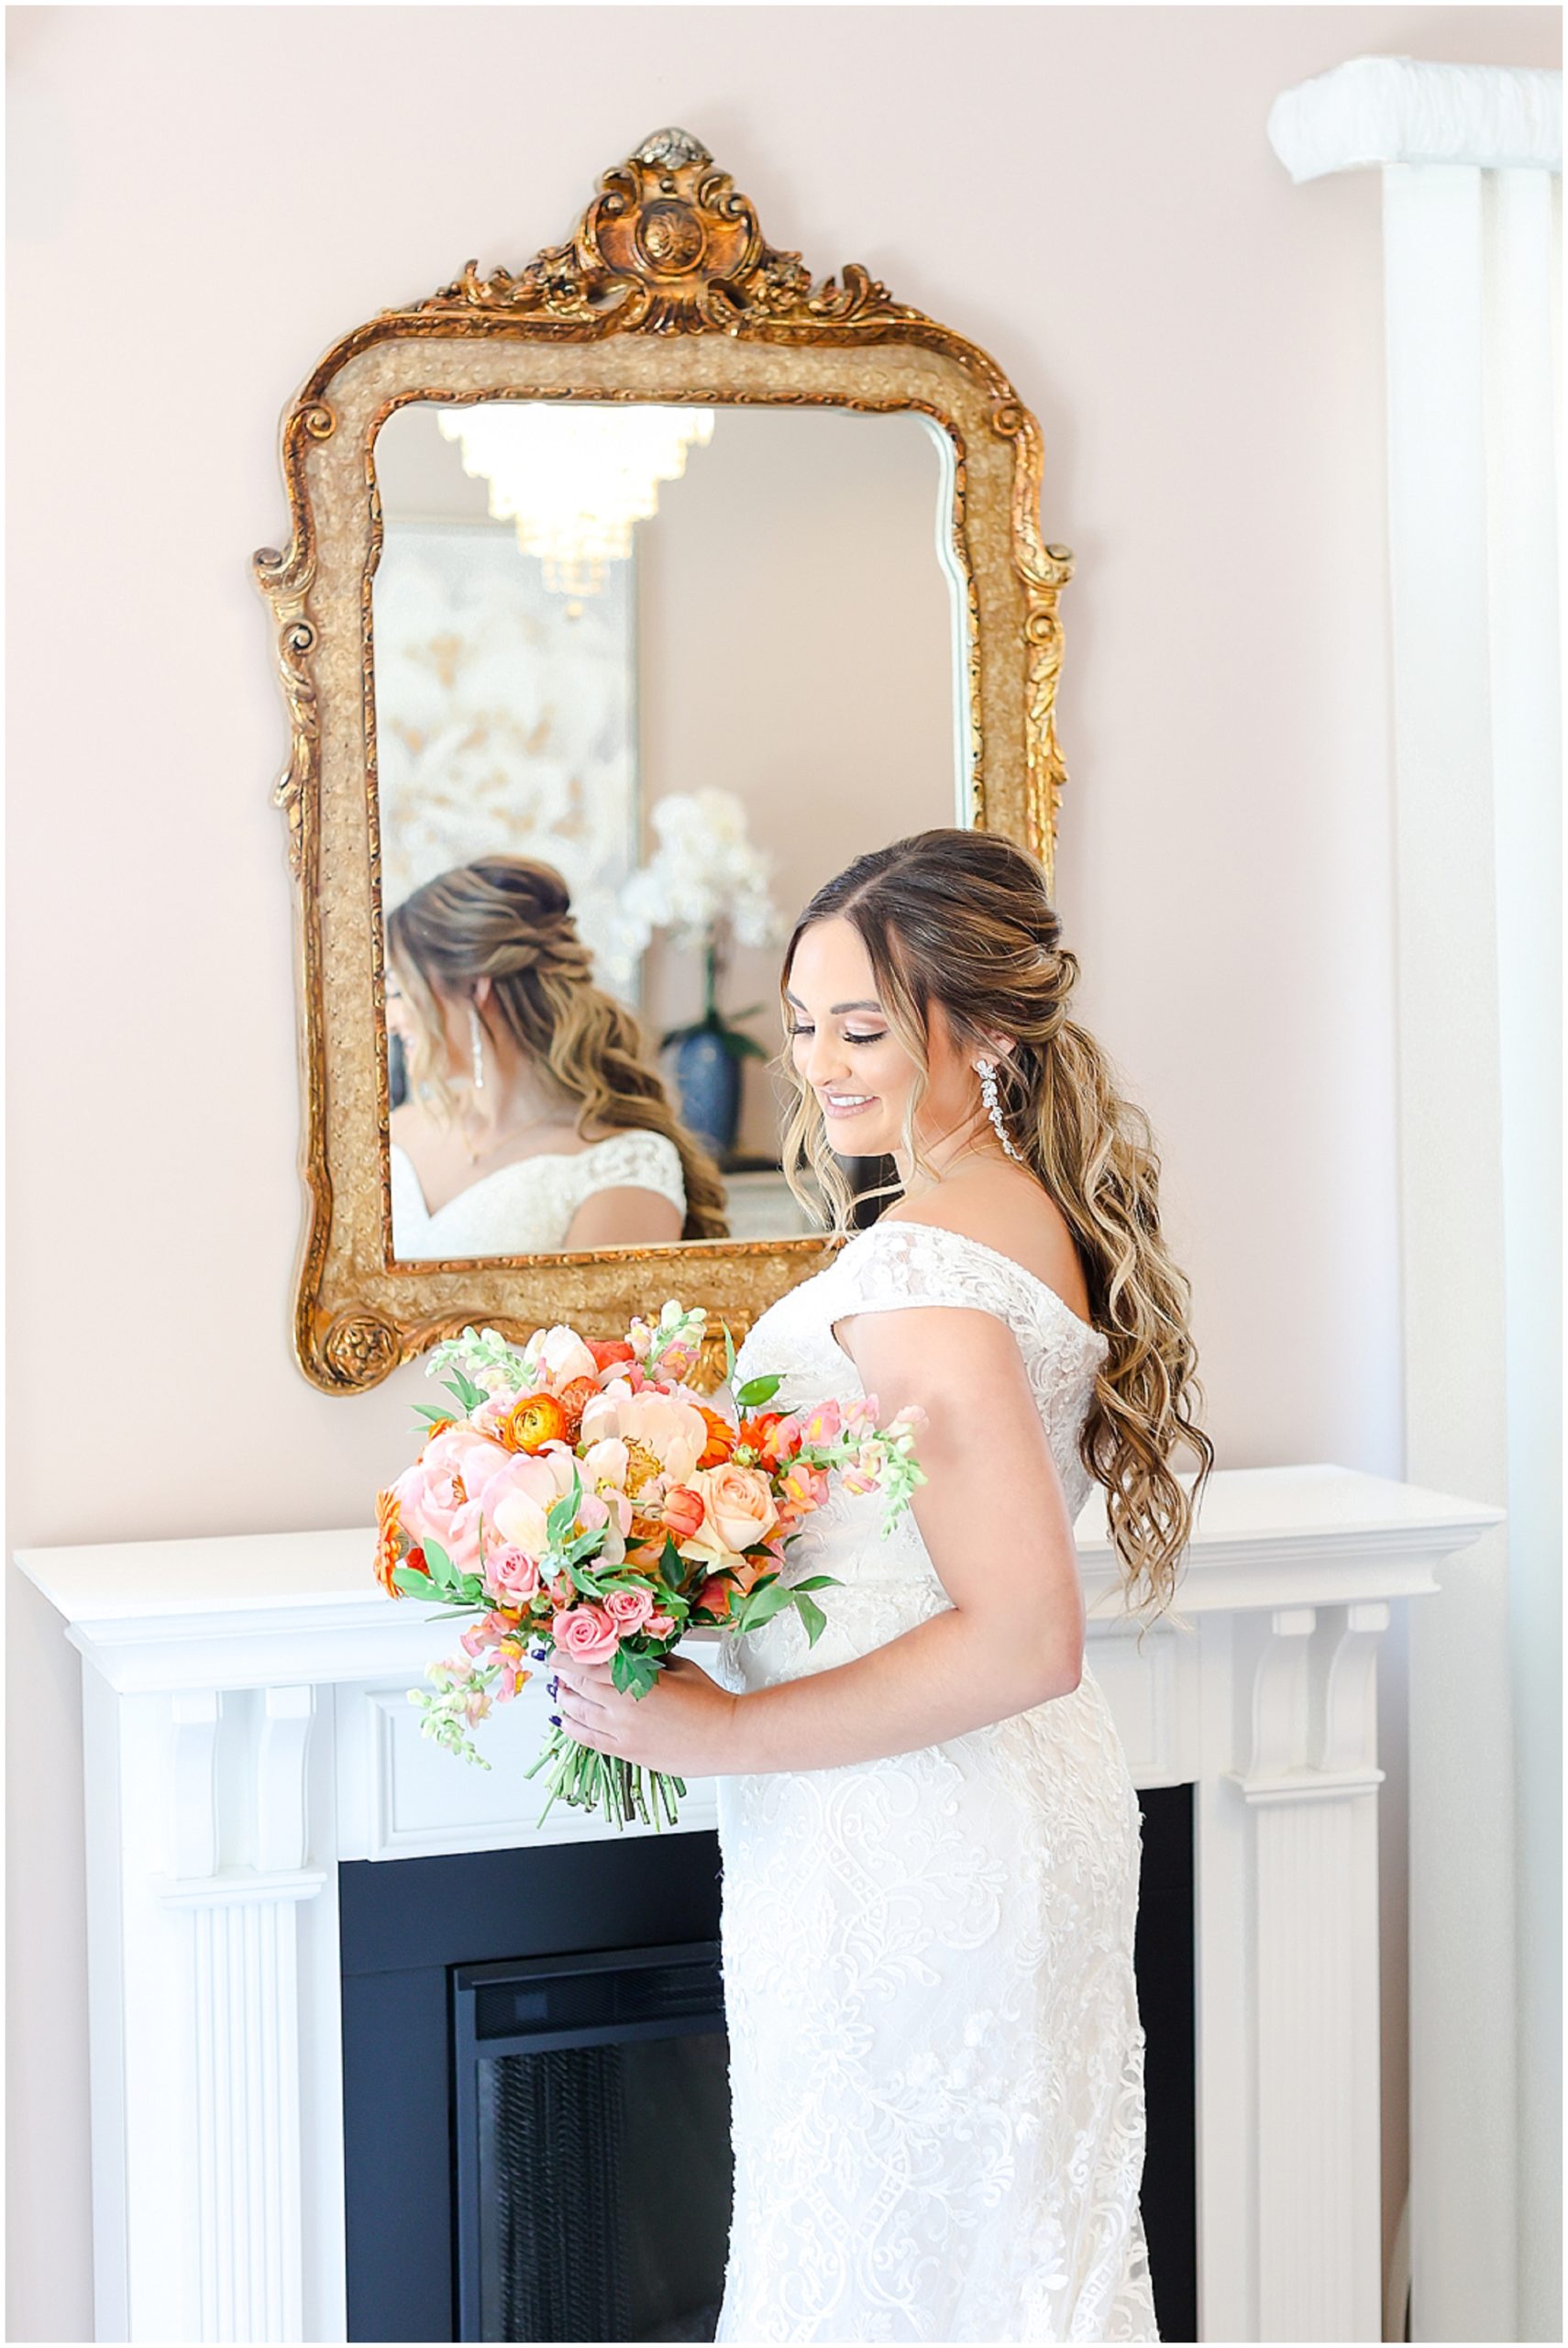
x=1310, y=1786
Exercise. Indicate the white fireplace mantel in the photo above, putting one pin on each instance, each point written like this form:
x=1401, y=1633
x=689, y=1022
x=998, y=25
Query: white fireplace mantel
x=247, y=1729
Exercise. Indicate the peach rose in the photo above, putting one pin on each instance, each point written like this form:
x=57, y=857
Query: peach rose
x=738, y=1512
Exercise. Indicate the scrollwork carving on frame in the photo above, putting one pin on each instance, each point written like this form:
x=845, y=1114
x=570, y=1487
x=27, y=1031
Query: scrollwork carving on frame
x=666, y=290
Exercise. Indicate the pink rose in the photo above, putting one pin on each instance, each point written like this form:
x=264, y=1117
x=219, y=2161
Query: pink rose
x=738, y=1512
x=659, y=1626
x=629, y=1610
x=513, y=1571
x=587, y=1632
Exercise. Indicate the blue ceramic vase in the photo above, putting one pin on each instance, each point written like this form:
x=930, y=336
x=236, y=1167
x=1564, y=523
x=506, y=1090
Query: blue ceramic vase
x=709, y=1075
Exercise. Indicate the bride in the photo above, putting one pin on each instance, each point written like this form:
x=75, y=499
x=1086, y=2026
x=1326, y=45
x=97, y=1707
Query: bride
x=929, y=1835
x=534, y=1119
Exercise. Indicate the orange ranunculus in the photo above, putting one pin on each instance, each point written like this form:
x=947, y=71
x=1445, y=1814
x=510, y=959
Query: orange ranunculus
x=571, y=1399
x=722, y=1439
x=537, y=1420
x=714, y=1595
x=610, y=1350
x=436, y=1426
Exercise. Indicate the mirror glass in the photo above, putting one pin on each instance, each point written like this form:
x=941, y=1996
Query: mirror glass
x=645, y=678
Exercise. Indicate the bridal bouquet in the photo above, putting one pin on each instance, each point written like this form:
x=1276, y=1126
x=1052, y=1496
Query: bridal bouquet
x=585, y=1496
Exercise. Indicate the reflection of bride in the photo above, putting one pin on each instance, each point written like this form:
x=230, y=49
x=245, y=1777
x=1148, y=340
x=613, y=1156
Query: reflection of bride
x=534, y=1119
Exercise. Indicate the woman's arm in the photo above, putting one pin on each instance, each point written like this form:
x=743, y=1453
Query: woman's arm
x=994, y=1518
x=626, y=1216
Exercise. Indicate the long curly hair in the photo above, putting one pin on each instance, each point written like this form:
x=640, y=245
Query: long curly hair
x=964, y=919
x=509, y=918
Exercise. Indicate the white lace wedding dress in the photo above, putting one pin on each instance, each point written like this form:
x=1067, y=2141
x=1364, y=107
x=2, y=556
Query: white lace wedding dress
x=525, y=1209
x=936, y=2060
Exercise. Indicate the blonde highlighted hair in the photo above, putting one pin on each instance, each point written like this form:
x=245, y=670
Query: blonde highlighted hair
x=509, y=918
x=962, y=920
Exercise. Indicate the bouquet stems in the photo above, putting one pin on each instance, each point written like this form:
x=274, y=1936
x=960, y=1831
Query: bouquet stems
x=585, y=1778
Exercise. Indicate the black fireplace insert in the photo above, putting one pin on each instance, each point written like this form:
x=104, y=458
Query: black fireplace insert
x=536, y=2088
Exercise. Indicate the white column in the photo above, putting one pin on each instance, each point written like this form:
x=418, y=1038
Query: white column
x=1522, y=236
x=1463, y=2105
x=1470, y=157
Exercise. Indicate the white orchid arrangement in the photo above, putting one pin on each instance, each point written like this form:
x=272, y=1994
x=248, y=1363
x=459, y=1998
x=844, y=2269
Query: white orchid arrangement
x=708, y=885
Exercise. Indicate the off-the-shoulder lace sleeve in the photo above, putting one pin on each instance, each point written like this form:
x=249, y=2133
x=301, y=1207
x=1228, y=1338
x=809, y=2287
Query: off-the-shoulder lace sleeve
x=643, y=1161
x=900, y=1264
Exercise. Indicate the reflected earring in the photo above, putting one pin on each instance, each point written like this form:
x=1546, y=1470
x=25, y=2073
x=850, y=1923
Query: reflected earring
x=476, y=1031
x=987, y=1072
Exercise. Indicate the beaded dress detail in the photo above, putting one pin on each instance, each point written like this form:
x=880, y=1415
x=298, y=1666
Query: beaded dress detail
x=937, y=2060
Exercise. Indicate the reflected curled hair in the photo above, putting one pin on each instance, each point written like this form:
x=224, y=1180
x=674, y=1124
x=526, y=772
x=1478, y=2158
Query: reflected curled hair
x=509, y=918
x=964, y=919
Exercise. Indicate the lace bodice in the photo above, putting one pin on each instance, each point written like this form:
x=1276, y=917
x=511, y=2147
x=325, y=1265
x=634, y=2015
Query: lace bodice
x=891, y=1266
x=935, y=2046
x=526, y=1208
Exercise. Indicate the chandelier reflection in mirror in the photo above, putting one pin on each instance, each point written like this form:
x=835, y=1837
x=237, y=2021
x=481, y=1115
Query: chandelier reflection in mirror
x=576, y=479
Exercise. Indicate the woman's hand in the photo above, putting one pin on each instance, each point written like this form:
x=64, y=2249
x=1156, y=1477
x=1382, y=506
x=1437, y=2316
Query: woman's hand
x=685, y=1726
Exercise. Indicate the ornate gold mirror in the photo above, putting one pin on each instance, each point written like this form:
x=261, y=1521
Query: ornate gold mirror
x=628, y=599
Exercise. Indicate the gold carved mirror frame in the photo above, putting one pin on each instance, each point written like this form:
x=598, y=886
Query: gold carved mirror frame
x=666, y=290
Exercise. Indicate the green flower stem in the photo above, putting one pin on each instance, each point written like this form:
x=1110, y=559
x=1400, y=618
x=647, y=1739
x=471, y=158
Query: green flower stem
x=585, y=1778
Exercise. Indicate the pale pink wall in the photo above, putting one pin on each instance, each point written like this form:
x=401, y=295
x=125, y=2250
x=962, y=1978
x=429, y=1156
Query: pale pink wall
x=203, y=199
x=817, y=682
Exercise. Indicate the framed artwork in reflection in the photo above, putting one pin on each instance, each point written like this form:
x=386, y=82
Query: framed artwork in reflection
x=506, y=718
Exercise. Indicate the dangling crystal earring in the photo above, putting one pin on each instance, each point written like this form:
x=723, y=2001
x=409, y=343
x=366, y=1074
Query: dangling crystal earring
x=987, y=1072
x=476, y=1031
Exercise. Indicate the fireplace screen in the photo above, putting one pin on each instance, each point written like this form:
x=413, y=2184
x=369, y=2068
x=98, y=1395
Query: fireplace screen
x=593, y=2172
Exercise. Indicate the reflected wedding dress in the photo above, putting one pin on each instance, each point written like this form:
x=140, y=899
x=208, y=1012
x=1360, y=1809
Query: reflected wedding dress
x=937, y=2060
x=525, y=1209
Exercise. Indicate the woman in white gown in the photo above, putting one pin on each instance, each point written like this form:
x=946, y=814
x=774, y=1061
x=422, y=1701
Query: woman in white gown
x=535, y=1118
x=930, y=1837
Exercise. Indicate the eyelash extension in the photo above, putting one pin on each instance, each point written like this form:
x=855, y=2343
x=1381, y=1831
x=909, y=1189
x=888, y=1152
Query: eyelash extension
x=848, y=1038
